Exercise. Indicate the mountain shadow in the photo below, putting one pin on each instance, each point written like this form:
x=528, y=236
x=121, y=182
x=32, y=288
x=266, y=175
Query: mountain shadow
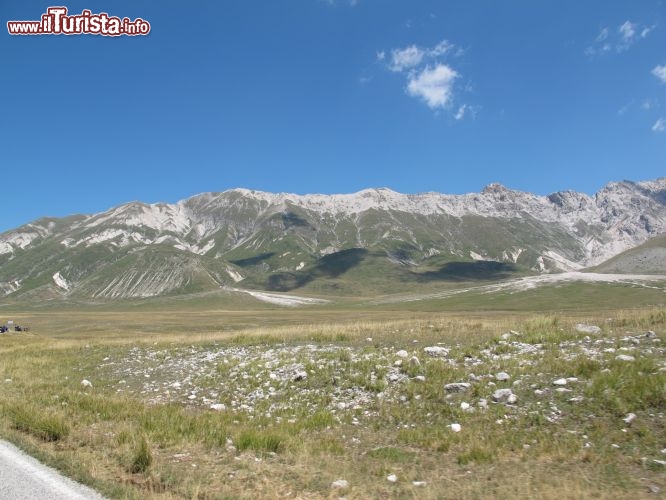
x=338, y=263
x=290, y=219
x=329, y=266
x=253, y=261
x=482, y=270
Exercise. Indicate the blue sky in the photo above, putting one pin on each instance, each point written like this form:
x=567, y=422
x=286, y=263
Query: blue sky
x=330, y=97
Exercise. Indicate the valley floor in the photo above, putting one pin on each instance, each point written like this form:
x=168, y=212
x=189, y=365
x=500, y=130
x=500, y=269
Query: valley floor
x=325, y=403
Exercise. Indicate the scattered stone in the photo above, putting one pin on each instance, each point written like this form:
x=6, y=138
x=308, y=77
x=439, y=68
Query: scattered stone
x=654, y=489
x=436, y=351
x=218, y=407
x=560, y=381
x=572, y=379
x=86, y=383
x=419, y=483
x=583, y=328
x=504, y=396
x=369, y=339
x=562, y=390
x=483, y=404
x=392, y=478
x=402, y=354
x=650, y=335
x=300, y=375
x=397, y=363
x=502, y=376
x=457, y=387
x=414, y=362
x=340, y=484
x=625, y=357
x=420, y=378
x=464, y=406
x=659, y=462
x=629, y=418
x=456, y=427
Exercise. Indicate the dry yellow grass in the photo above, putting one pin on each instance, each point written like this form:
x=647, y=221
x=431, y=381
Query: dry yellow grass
x=276, y=458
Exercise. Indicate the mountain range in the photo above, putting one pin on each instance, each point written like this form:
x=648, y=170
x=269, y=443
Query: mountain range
x=375, y=239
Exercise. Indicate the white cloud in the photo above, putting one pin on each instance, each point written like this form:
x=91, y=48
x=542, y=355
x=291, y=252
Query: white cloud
x=402, y=59
x=433, y=85
x=659, y=125
x=627, y=31
x=412, y=56
x=351, y=3
x=381, y=55
x=460, y=114
x=440, y=49
x=603, y=34
x=619, y=40
x=660, y=72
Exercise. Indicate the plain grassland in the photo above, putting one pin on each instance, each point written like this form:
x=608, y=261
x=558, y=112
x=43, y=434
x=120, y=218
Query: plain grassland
x=553, y=445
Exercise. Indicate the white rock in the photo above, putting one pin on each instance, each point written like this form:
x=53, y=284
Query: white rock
x=86, y=383
x=456, y=427
x=457, y=387
x=583, y=328
x=504, y=396
x=419, y=483
x=340, y=484
x=218, y=407
x=436, y=351
x=420, y=378
x=560, y=381
x=502, y=376
x=398, y=363
x=402, y=354
x=392, y=478
x=414, y=362
x=625, y=357
x=464, y=406
x=629, y=418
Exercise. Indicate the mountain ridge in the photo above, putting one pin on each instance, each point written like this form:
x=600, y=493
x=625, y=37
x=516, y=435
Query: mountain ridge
x=275, y=239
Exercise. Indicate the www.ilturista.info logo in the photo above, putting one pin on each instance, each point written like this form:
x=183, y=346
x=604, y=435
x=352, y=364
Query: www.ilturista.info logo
x=57, y=22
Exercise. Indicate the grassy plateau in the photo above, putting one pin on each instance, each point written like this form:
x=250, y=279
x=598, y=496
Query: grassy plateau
x=431, y=399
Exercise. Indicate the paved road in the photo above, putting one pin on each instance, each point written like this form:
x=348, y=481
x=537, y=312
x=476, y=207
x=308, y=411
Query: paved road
x=24, y=478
